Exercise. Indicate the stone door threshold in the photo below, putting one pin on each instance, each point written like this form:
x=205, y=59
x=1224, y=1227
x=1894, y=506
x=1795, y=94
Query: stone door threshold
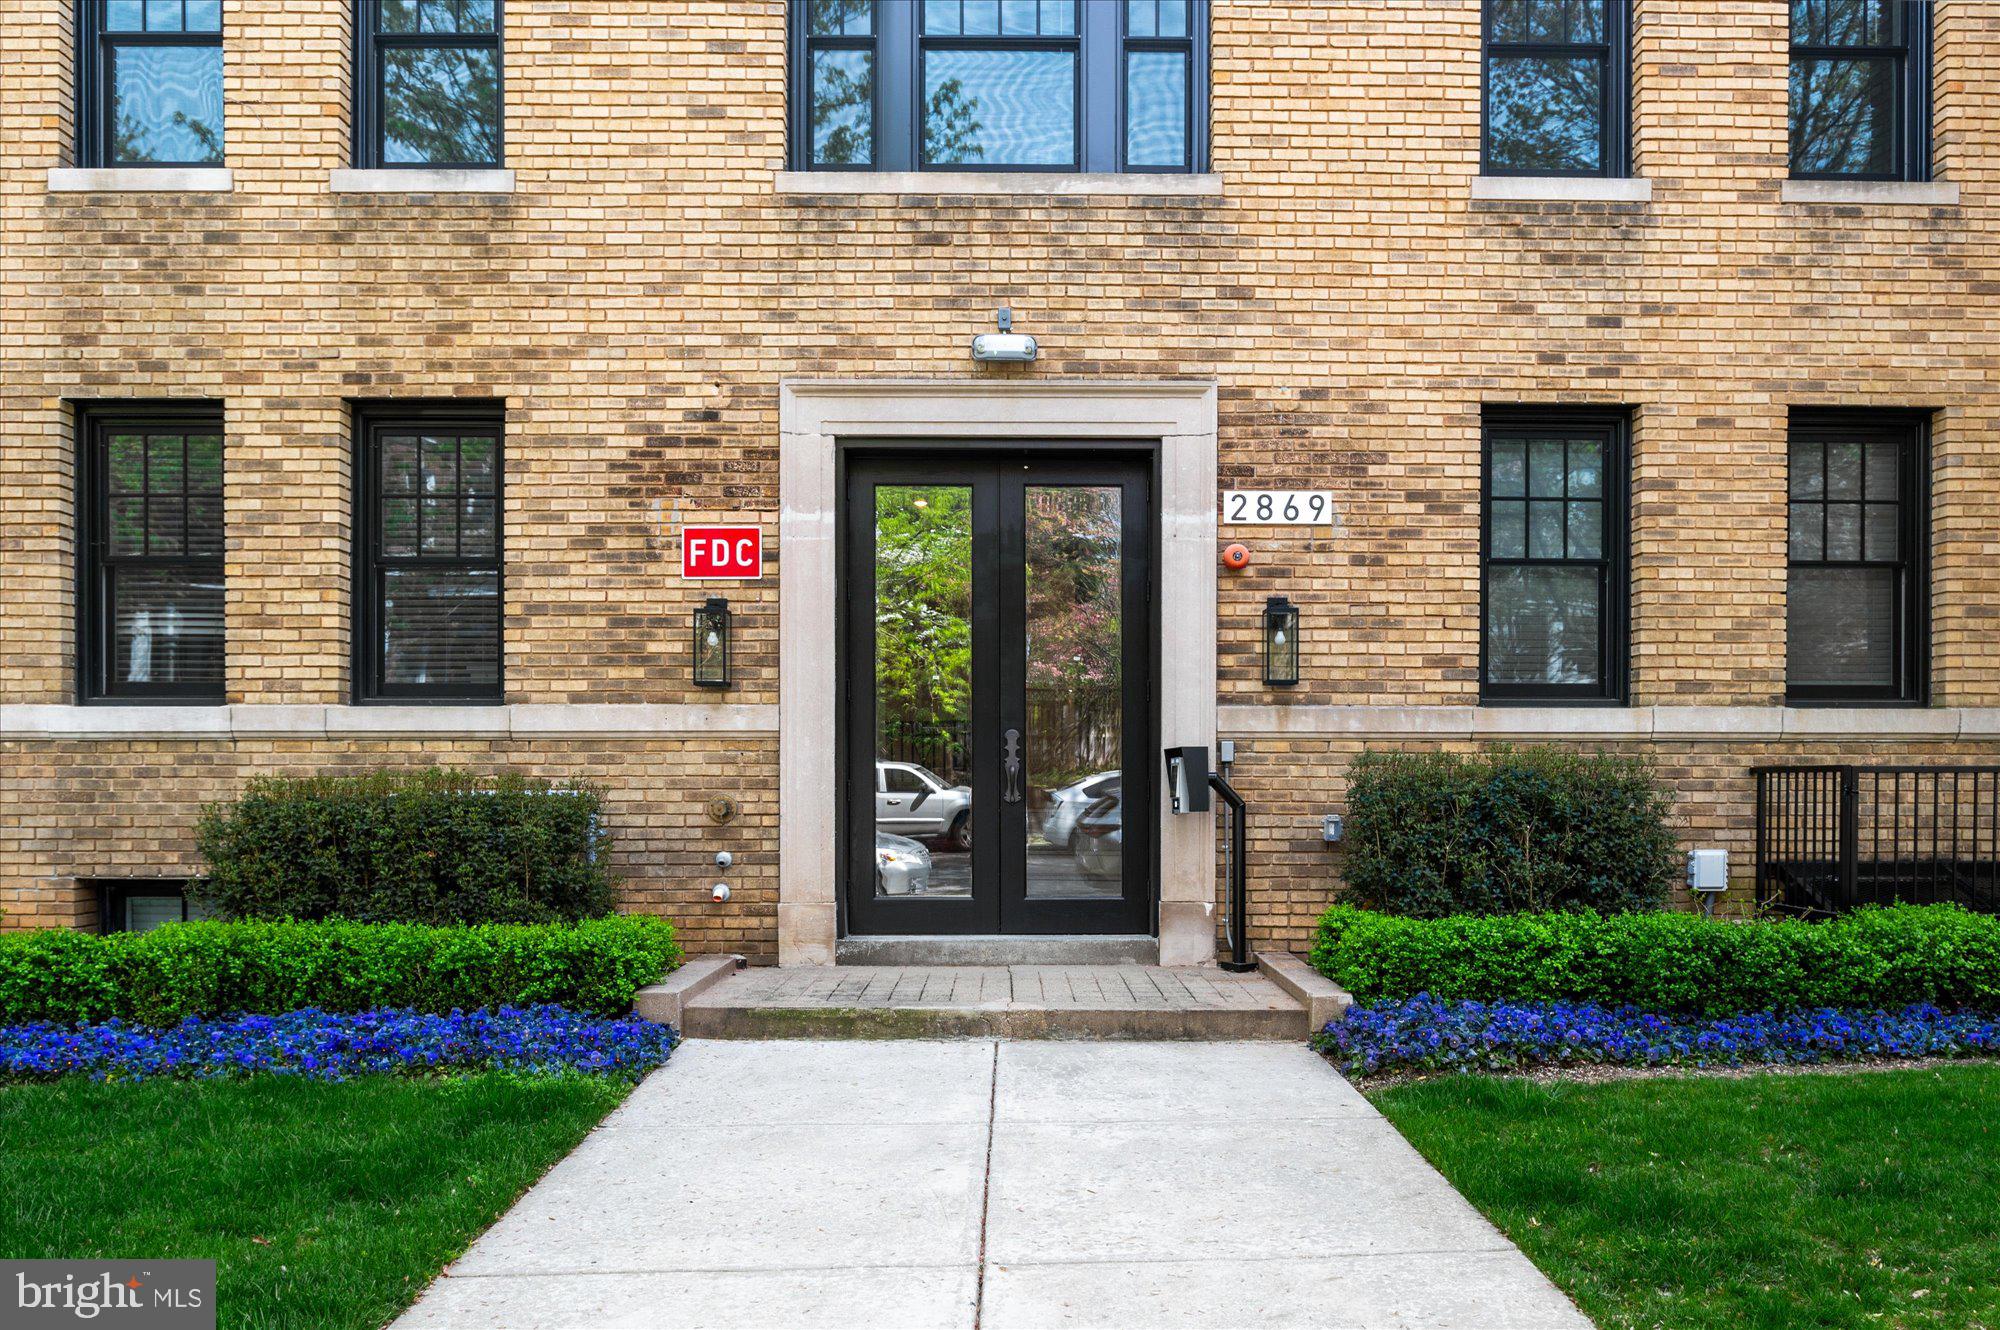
x=1010, y=949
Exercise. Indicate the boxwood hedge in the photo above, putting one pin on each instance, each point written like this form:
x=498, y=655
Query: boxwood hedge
x=1878, y=958
x=211, y=969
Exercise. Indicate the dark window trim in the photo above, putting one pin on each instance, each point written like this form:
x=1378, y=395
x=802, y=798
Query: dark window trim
x=899, y=45
x=94, y=685
x=1910, y=134
x=371, y=420
x=1912, y=651
x=113, y=894
x=1614, y=111
x=370, y=43
x=94, y=55
x=1615, y=425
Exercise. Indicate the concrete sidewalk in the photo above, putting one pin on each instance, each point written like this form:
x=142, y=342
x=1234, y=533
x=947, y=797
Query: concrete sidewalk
x=998, y=1185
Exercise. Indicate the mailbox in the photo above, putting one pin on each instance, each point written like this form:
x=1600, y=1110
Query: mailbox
x=1187, y=779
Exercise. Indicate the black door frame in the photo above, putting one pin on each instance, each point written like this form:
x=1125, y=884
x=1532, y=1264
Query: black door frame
x=998, y=903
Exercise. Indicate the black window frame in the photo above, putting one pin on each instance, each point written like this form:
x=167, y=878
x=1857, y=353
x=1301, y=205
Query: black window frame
x=1910, y=131
x=95, y=565
x=95, y=56
x=899, y=44
x=1613, y=425
x=1614, y=111
x=370, y=43
x=371, y=421
x=1910, y=619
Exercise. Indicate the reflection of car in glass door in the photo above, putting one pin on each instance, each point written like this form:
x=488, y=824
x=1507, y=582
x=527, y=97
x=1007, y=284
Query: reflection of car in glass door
x=1099, y=841
x=1067, y=804
x=911, y=801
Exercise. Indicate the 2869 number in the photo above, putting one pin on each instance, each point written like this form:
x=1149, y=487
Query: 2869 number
x=1279, y=507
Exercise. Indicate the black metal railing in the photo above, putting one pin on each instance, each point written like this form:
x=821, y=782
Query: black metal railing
x=1835, y=837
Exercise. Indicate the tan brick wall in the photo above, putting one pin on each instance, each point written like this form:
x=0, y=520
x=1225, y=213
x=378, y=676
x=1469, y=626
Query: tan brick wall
x=637, y=300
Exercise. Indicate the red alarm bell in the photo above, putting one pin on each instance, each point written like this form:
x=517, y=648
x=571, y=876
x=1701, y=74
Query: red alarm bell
x=1236, y=557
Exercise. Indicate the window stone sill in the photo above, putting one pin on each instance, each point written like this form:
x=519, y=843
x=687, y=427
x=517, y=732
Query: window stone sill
x=344, y=180
x=140, y=179
x=1903, y=193
x=1046, y=184
x=1560, y=189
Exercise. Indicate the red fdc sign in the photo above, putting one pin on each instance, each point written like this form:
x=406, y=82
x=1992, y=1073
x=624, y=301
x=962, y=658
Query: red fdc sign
x=722, y=553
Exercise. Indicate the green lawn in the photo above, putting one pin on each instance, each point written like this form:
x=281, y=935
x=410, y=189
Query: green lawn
x=325, y=1204
x=1771, y=1201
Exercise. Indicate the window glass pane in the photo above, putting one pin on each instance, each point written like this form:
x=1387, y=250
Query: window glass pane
x=477, y=530
x=841, y=18
x=1840, y=627
x=166, y=626
x=440, y=105
x=1842, y=22
x=399, y=527
x=1542, y=626
x=166, y=104
x=477, y=15
x=1173, y=18
x=1808, y=470
x=1807, y=537
x=439, y=526
x=1156, y=108
x=1058, y=18
x=1510, y=467
x=166, y=528
x=125, y=470
x=128, y=526
x=843, y=101
x=441, y=627
x=1142, y=18
x=204, y=15
x=125, y=16
x=1547, y=20
x=1884, y=478
x=163, y=15
x=1001, y=108
x=204, y=461
x=1510, y=530
x=1842, y=116
x=1543, y=113
x=399, y=464
x=205, y=526
x=398, y=15
x=1545, y=531
x=475, y=465
x=437, y=16
x=979, y=18
x=1586, y=530
x=1843, y=531
x=1843, y=471
x=145, y=913
x=440, y=465
x=1545, y=468
x=941, y=18
x=1018, y=18
x=1881, y=532
x=1586, y=469
x=164, y=470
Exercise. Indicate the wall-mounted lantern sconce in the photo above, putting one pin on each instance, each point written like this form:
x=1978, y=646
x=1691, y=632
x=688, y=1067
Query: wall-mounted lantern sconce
x=711, y=644
x=1005, y=346
x=1281, y=643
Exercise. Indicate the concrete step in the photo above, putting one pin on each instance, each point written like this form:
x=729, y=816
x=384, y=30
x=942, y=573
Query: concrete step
x=1120, y=1001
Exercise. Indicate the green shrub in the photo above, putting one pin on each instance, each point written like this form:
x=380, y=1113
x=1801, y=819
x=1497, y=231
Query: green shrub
x=1434, y=834
x=1884, y=957
x=426, y=847
x=211, y=969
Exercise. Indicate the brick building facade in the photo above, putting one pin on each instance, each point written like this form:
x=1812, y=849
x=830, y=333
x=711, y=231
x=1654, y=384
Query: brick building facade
x=651, y=267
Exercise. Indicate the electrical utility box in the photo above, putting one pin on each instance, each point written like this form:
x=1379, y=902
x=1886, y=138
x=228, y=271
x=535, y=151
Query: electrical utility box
x=1708, y=870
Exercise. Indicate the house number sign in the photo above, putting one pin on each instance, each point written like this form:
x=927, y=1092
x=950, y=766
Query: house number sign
x=1278, y=508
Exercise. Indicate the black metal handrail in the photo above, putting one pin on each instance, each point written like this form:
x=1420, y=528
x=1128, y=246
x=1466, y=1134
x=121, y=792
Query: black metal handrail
x=1830, y=838
x=1239, y=878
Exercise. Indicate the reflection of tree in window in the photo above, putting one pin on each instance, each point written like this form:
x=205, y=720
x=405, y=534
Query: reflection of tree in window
x=952, y=125
x=923, y=623
x=439, y=105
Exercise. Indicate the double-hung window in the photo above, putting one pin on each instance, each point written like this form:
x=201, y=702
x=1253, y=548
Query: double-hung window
x=1861, y=89
x=1856, y=595
x=1554, y=573
x=1557, y=87
x=427, y=83
x=151, y=604
x=999, y=85
x=428, y=565
x=149, y=83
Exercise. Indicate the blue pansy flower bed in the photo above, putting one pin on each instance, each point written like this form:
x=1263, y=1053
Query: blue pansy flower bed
x=1423, y=1034
x=540, y=1040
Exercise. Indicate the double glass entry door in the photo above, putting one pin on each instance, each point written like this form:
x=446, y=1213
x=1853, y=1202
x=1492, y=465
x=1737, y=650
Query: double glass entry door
x=996, y=676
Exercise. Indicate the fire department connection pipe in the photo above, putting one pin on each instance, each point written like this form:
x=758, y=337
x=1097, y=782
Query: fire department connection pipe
x=1239, y=887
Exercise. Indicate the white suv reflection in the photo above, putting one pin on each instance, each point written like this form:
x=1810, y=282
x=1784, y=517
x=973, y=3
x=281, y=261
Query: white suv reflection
x=913, y=801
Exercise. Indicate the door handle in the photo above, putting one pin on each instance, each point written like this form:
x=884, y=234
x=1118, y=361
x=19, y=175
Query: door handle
x=1010, y=752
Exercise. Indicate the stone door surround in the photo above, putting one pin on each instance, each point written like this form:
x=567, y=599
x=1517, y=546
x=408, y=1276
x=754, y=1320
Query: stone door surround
x=814, y=417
